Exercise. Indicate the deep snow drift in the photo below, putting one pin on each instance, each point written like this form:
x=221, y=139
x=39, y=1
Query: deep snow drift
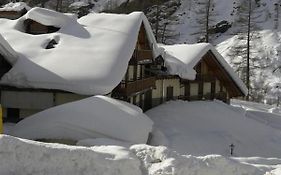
x=19, y=156
x=204, y=127
x=94, y=117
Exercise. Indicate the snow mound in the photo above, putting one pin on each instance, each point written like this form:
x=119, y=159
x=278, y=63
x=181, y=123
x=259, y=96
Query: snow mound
x=182, y=58
x=71, y=65
x=102, y=142
x=20, y=156
x=94, y=117
x=48, y=17
x=205, y=127
x=160, y=160
x=15, y=6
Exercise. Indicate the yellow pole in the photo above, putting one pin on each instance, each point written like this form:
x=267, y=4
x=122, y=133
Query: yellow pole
x=1, y=120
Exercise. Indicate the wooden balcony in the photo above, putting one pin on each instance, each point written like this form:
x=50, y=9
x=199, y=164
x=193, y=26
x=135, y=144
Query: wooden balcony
x=141, y=55
x=128, y=88
x=201, y=78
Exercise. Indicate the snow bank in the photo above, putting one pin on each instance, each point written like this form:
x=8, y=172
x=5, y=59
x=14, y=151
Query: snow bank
x=95, y=71
x=19, y=156
x=94, y=117
x=205, y=127
x=180, y=59
x=160, y=160
x=102, y=142
x=15, y=6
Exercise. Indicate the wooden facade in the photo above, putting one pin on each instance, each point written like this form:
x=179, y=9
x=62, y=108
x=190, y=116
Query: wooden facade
x=212, y=82
x=137, y=84
x=12, y=14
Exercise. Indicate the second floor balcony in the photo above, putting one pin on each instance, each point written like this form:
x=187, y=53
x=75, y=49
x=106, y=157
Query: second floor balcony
x=131, y=87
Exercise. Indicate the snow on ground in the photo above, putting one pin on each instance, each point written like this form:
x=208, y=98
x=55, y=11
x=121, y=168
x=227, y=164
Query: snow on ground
x=15, y=6
x=193, y=129
x=205, y=127
x=94, y=117
x=28, y=157
x=19, y=156
x=101, y=5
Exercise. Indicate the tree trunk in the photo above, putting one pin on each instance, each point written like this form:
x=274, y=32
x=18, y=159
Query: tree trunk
x=248, y=49
x=157, y=23
x=207, y=20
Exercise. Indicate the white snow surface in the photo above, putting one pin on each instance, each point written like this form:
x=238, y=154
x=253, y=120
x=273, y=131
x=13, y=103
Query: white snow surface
x=91, y=56
x=79, y=4
x=7, y=51
x=15, y=6
x=48, y=17
x=181, y=59
x=102, y=142
x=204, y=127
x=20, y=156
x=94, y=117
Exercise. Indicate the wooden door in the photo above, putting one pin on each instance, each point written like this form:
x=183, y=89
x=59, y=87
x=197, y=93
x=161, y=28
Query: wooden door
x=170, y=93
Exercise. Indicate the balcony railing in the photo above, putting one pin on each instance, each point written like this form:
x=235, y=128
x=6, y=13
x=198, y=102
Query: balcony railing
x=201, y=77
x=128, y=88
x=142, y=54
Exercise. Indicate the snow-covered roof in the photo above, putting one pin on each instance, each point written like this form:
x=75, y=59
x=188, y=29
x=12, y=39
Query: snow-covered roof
x=181, y=59
x=15, y=6
x=91, y=56
x=7, y=51
x=94, y=117
x=48, y=17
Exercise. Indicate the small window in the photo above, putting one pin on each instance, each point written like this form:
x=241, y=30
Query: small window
x=51, y=44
